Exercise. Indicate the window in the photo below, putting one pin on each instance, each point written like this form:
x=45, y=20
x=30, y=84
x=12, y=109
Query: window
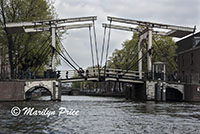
x=191, y=59
x=190, y=78
x=183, y=76
x=199, y=77
x=196, y=41
x=182, y=61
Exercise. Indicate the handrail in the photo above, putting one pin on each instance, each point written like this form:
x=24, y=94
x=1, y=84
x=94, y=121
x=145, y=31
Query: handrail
x=110, y=72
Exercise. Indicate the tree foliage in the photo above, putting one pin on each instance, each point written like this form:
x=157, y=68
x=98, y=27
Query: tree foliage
x=164, y=50
x=24, y=49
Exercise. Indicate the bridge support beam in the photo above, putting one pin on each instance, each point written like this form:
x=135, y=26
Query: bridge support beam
x=130, y=91
x=53, y=36
x=140, y=57
x=54, y=91
x=158, y=91
x=146, y=35
x=149, y=55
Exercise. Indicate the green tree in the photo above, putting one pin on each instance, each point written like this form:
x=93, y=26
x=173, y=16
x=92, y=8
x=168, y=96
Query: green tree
x=122, y=58
x=164, y=50
x=24, y=49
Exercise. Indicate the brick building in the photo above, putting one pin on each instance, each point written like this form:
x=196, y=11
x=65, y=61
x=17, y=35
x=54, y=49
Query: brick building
x=188, y=55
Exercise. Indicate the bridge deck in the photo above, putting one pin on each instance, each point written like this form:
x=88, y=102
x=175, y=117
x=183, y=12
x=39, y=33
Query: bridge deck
x=104, y=75
x=99, y=79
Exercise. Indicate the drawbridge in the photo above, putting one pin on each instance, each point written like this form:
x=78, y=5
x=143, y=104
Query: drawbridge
x=100, y=72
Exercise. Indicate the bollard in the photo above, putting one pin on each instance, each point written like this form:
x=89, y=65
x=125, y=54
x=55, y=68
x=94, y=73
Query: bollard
x=158, y=91
x=54, y=92
x=59, y=91
x=164, y=92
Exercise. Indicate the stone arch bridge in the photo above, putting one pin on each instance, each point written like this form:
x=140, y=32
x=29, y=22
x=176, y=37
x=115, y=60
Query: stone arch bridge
x=53, y=86
x=16, y=90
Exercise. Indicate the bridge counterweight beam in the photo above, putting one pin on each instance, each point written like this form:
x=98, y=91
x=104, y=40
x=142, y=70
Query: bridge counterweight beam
x=149, y=54
x=53, y=36
x=139, y=57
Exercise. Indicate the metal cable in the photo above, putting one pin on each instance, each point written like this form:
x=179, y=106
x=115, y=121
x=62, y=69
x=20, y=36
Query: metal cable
x=108, y=44
x=136, y=62
x=45, y=55
x=95, y=40
x=66, y=52
x=47, y=51
x=134, y=57
x=166, y=69
x=102, y=51
x=133, y=51
x=34, y=61
x=20, y=58
x=163, y=52
x=65, y=59
x=67, y=64
x=91, y=47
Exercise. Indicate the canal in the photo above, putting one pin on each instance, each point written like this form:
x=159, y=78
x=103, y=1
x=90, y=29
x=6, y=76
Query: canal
x=100, y=115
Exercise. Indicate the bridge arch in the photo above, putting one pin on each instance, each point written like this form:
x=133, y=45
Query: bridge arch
x=174, y=94
x=29, y=92
x=50, y=85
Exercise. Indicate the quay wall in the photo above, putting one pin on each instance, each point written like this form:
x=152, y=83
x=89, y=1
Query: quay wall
x=12, y=90
x=192, y=92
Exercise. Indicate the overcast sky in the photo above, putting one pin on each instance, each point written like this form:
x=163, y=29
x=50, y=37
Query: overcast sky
x=177, y=12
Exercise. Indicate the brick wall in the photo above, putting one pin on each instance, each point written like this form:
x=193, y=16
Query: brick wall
x=11, y=91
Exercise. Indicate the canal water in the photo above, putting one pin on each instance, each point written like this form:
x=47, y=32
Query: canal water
x=100, y=115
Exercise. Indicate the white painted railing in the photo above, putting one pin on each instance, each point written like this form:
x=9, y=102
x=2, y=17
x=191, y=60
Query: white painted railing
x=110, y=72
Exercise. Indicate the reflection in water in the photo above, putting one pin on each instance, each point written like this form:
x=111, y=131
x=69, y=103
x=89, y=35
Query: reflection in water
x=102, y=115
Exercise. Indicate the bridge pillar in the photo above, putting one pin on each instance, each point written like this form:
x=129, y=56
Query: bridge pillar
x=54, y=91
x=149, y=55
x=158, y=96
x=164, y=93
x=139, y=57
x=56, y=95
x=130, y=91
x=145, y=36
x=150, y=89
x=160, y=91
x=53, y=36
x=135, y=92
x=59, y=91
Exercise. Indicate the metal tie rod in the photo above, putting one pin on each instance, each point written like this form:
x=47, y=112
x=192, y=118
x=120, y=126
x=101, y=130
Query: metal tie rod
x=150, y=24
x=66, y=27
x=79, y=19
x=131, y=29
x=49, y=22
x=120, y=27
x=75, y=26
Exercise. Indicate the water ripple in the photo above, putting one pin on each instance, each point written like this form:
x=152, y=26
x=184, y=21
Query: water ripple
x=99, y=115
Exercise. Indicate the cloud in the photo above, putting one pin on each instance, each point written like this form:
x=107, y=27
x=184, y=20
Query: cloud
x=178, y=12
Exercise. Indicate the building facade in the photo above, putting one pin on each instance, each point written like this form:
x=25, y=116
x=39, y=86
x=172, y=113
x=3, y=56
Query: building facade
x=188, y=56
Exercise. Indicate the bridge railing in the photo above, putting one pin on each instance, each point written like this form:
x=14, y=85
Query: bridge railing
x=94, y=72
x=67, y=74
x=110, y=72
